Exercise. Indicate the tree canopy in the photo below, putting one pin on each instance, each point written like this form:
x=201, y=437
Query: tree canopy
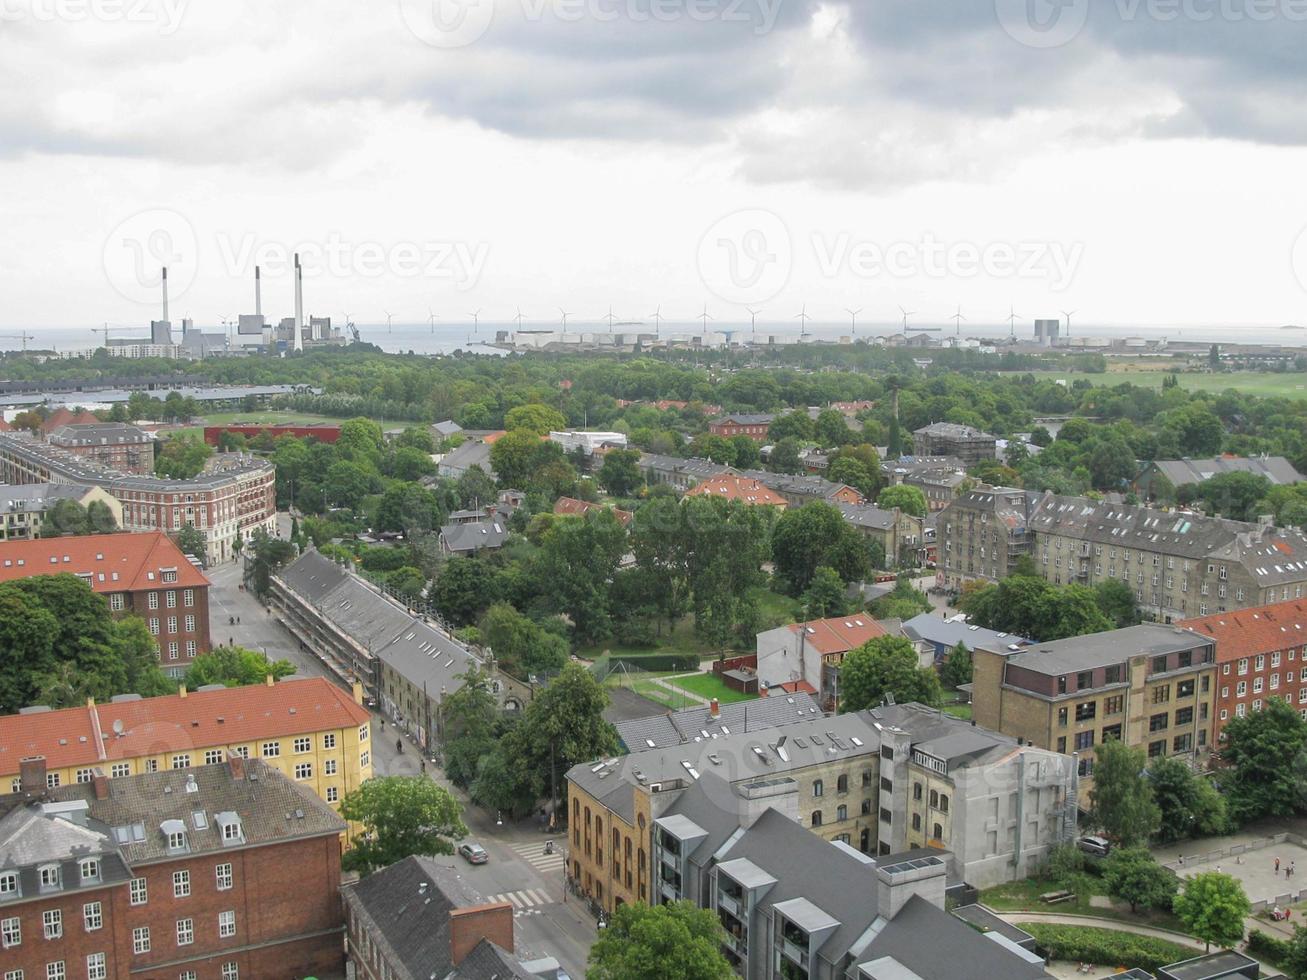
x=234, y=666
x=676, y=941
x=886, y=665
x=401, y=816
x=1212, y=905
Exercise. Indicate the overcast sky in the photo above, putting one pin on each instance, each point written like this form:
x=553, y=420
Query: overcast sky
x=1140, y=161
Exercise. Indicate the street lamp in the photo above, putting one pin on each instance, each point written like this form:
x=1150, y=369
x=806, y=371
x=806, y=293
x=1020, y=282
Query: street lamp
x=499, y=818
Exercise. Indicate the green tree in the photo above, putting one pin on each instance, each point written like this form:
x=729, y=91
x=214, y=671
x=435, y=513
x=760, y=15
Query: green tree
x=1238, y=495
x=471, y=721
x=1213, y=906
x=401, y=816
x=265, y=555
x=140, y=657
x=67, y=516
x=957, y=669
x=825, y=595
x=792, y=425
x=906, y=498
x=464, y=589
x=1190, y=805
x=675, y=941
x=408, y=463
x=99, y=518
x=475, y=488
x=417, y=438
x=882, y=666
x=576, y=563
x=831, y=429
x=847, y=469
x=407, y=582
x=620, y=474
x=1122, y=798
x=409, y=508
x=182, y=457
x=27, y=634
x=813, y=535
x=234, y=667
x=746, y=453
x=192, y=541
x=539, y=419
x=521, y=645
x=903, y=602
x=784, y=457
x=1132, y=875
x=1262, y=752
x=1294, y=963
x=1117, y=602
x=347, y=484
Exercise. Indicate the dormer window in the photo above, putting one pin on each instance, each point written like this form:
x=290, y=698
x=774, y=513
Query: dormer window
x=49, y=877
x=177, y=840
x=231, y=831
x=90, y=869
x=230, y=825
x=8, y=884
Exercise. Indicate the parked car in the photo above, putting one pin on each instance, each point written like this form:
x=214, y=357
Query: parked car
x=473, y=853
x=1095, y=845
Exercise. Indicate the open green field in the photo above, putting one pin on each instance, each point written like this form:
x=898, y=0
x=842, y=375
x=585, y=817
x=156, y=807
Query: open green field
x=272, y=417
x=1290, y=384
x=707, y=686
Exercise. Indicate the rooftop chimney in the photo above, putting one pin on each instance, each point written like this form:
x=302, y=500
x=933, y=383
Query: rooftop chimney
x=165, y=294
x=31, y=774
x=468, y=926
x=356, y=689
x=100, y=783
x=269, y=680
x=181, y=690
x=297, y=342
x=236, y=764
x=714, y=709
x=258, y=293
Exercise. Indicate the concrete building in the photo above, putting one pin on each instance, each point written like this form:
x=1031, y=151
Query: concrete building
x=114, y=444
x=812, y=652
x=588, y=442
x=145, y=575
x=23, y=508
x=234, y=497
x=423, y=917
x=227, y=871
x=949, y=439
x=936, y=637
x=754, y=426
x=306, y=728
x=983, y=533
x=1152, y=686
x=1257, y=651
x=714, y=721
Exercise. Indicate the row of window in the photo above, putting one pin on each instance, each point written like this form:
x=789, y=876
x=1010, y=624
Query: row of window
x=96, y=969
x=1241, y=688
x=170, y=599
x=1259, y=662
x=171, y=624
x=52, y=924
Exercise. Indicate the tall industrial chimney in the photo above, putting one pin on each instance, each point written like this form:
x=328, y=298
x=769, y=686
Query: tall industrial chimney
x=165, y=294
x=258, y=293
x=297, y=342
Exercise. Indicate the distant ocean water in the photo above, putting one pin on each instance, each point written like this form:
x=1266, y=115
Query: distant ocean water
x=446, y=338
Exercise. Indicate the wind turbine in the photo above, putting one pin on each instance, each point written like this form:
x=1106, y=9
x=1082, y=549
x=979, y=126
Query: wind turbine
x=431, y=319
x=565, y=316
x=957, y=319
x=906, y=314
x=657, y=316
x=853, y=318
x=610, y=318
x=753, y=320
x=803, y=319
x=476, y=320
x=705, y=316
x=1012, y=316
x=519, y=318
x=389, y=316
x=1068, y=320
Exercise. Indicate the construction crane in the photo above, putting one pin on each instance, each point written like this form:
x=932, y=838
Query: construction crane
x=24, y=337
x=106, y=330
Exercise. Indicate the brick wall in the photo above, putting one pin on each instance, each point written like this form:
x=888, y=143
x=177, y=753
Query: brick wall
x=469, y=926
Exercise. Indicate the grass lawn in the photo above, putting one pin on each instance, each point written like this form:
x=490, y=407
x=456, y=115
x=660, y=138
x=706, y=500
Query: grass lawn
x=1023, y=896
x=707, y=687
x=962, y=711
x=273, y=417
x=1290, y=384
x=656, y=692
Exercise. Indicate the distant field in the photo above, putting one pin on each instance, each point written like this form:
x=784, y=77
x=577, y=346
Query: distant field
x=1291, y=384
x=266, y=417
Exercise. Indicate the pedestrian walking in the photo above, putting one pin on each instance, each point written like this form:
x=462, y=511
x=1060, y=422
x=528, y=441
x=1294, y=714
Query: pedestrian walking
x=1182, y=860
x=1277, y=865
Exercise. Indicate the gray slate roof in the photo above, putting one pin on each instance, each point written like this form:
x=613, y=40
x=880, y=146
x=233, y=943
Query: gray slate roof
x=1277, y=469
x=467, y=455
x=698, y=469
x=951, y=430
x=37, y=496
x=473, y=536
x=677, y=727
x=99, y=434
x=867, y=515
x=1103, y=649
x=31, y=835
x=935, y=629
x=740, y=419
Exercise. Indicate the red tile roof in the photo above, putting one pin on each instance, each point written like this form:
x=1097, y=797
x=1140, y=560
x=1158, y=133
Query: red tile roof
x=173, y=723
x=1261, y=629
x=136, y=559
x=570, y=506
x=62, y=416
x=788, y=687
x=840, y=635
x=731, y=486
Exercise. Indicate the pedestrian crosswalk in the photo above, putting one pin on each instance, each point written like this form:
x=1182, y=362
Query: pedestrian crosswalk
x=534, y=855
x=524, y=902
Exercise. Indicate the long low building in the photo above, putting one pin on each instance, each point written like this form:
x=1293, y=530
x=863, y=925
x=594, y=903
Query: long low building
x=235, y=496
x=406, y=664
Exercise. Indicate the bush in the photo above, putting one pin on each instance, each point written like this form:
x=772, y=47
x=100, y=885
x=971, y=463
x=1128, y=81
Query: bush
x=1063, y=863
x=1106, y=947
x=1267, y=947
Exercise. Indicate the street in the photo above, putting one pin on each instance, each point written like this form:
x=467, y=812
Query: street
x=518, y=871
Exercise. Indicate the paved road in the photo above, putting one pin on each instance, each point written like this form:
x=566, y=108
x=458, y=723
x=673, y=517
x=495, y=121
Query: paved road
x=518, y=870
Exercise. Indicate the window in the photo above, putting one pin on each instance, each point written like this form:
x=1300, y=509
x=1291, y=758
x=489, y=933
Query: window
x=8, y=884
x=186, y=975
x=1184, y=716
x=304, y=770
x=141, y=940
x=841, y=812
x=95, y=967
x=92, y=916
x=1084, y=740
x=1158, y=723
x=842, y=784
x=1061, y=744
x=49, y=876
x=138, y=892
x=177, y=841
x=329, y=740
x=1241, y=689
x=116, y=602
x=188, y=597
x=231, y=831
x=304, y=744
x=364, y=760
x=226, y=925
x=181, y=884
x=817, y=787
x=11, y=932
x=1162, y=694
x=1182, y=743
x=212, y=757
x=222, y=874
x=171, y=599
x=1113, y=705
x=270, y=750
x=152, y=600
x=182, y=761
x=89, y=868
x=1156, y=748
x=230, y=971
x=53, y=921
x=363, y=737
x=1261, y=662
x=1184, y=689
x=185, y=932
x=1086, y=710
x=816, y=818
x=56, y=971
x=1111, y=732
x=333, y=794
x=329, y=767
x=1243, y=665
x=1062, y=716
x=84, y=776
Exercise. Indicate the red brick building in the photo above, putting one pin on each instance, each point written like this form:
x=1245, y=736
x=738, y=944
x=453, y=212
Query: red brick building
x=114, y=444
x=732, y=486
x=753, y=426
x=221, y=873
x=323, y=433
x=146, y=574
x=1261, y=653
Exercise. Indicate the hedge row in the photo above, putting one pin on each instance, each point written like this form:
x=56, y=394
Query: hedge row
x=1106, y=947
x=657, y=661
x=1267, y=947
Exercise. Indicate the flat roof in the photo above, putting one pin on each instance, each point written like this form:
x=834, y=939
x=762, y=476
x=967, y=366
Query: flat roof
x=1102, y=649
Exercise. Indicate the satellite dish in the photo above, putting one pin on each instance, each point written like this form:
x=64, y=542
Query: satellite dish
x=117, y=726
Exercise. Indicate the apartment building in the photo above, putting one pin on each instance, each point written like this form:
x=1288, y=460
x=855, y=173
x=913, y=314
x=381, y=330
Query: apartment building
x=799, y=488
x=1179, y=565
x=983, y=533
x=23, y=508
x=234, y=497
x=793, y=905
x=116, y=445
x=901, y=534
x=307, y=729
x=733, y=486
x=221, y=873
x=879, y=781
x=146, y=575
x=753, y=426
x=940, y=478
x=812, y=652
x=959, y=441
x=1151, y=685
x=1262, y=653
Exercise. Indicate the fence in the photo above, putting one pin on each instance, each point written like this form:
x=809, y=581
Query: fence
x=1237, y=851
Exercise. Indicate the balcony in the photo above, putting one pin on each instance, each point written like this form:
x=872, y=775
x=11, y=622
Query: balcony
x=728, y=904
x=795, y=953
